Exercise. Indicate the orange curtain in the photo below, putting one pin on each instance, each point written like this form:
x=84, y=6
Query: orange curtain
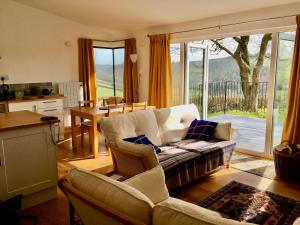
x=87, y=74
x=130, y=73
x=160, y=76
x=291, y=129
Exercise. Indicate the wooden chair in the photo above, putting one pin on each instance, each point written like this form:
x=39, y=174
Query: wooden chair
x=115, y=110
x=136, y=106
x=114, y=100
x=86, y=125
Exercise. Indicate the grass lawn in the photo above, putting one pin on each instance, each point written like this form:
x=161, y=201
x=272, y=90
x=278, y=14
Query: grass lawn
x=260, y=114
x=106, y=91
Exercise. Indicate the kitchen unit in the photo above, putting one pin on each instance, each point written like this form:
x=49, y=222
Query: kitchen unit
x=28, y=164
x=50, y=106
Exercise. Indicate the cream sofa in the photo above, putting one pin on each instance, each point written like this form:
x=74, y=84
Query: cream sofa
x=182, y=160
x=142, y=199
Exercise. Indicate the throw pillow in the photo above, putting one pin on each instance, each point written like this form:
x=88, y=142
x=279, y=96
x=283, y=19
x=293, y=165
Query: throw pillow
x=142, y=139
x=201, y=130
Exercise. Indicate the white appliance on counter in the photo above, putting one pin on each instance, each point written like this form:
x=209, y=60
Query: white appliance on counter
x=47, y=107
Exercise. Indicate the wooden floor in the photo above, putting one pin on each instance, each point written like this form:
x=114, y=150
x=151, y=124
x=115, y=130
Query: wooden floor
x=55, y=212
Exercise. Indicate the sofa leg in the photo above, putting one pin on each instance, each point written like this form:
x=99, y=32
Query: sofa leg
x=227, y=165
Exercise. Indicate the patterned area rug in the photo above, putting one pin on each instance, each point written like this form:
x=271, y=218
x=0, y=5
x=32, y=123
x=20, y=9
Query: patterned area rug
x=258, y=166
x=245, y=203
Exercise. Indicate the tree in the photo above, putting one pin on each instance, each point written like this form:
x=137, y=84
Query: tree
x=249, y=78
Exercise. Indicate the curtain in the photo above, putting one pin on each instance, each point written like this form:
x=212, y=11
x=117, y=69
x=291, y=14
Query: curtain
x=291, y=129
x=160, y=76
x=87, y=74
x=130, y=73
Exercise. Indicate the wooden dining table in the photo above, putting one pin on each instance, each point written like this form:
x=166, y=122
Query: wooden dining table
x=94, y=114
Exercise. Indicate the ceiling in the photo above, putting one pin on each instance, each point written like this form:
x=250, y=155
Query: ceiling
x=129, y=15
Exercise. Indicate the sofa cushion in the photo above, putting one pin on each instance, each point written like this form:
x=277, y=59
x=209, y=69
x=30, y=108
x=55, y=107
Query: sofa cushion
x=115, y=194
x=143, y=140
x=201, y=130
x=173, y=122
x=177, y=212
x=151, y=183
x=223, y=131
x=131, y=125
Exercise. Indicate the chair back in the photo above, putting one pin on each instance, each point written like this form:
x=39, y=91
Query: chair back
x=86, y=103
x=136, y=106
x=116, y=109
x=91, y=210
x=114, y=100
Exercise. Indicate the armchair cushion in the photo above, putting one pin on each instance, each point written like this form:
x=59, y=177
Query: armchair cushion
x=142, y=139
x=177, y=212
x=151, y=183
x=114, y=194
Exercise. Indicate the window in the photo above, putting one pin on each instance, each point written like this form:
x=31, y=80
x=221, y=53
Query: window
x=109, y=63
x=241, y=79
x=176, y=73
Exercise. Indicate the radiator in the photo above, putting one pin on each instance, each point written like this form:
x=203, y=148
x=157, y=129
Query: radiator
x=72, y=92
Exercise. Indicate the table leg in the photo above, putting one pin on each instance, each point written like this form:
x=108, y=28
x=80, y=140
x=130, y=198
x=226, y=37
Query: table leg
x=95, y=138
x=73, y=129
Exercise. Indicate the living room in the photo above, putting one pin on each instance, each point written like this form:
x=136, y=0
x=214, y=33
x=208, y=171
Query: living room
x=167, y=67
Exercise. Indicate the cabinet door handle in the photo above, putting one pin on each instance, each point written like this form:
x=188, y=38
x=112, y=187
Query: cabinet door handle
x=50, y=110
x=49, y=102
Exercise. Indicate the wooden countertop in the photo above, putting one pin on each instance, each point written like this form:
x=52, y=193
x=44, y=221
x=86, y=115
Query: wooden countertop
x=20, y=119
x=36, y=99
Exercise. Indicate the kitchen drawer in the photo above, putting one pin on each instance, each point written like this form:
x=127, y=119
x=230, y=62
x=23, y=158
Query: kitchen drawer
x=19, y=106
x=51, y=103
x=51, y=111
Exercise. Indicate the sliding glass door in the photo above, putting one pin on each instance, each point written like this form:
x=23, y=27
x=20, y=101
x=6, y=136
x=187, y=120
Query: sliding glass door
x=196, y=76
x=286, y=41
x=240, y=79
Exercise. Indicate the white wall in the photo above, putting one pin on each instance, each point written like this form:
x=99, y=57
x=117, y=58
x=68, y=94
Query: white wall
x=247, y=28
x=32, y=44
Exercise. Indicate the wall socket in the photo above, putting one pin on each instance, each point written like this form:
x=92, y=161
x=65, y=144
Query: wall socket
x=4, y=77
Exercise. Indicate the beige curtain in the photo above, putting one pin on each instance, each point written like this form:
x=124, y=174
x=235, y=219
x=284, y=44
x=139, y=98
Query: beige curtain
x=160, y=76
x=130, y=73
x=291, y=129
x=87, y=74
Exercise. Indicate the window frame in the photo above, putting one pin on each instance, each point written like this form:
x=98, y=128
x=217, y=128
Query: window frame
x=113, y=63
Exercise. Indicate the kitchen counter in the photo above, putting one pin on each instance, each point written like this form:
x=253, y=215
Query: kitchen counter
x=38, y=98
x=27, y=158
x=20, y=119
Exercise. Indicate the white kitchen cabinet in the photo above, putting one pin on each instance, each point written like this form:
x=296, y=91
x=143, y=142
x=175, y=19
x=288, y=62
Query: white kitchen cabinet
x=47, y=107
x=19, y=106
x=28, y=164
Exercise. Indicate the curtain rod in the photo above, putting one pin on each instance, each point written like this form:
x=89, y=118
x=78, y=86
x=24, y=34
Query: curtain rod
x=229, y=24
x=108, y=41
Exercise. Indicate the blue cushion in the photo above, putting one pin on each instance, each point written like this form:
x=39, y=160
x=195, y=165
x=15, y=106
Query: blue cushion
x=201, y=130
x=142, y=139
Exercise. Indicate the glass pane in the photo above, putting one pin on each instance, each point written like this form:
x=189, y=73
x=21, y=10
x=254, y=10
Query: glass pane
x=195, y=62
x=239, y=68
x=119, y=70
x=176, y=74
x=284, y=61
x=104, y=72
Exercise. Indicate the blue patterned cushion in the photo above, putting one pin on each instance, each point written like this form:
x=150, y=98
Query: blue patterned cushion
x=142, y=139
x=201, y=130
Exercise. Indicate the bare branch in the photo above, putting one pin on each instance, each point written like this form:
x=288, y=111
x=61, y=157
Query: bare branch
x=223, y=48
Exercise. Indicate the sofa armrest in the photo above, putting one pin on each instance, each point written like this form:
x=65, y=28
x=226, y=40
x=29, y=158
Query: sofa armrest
x=130, y=159
x=297, y=221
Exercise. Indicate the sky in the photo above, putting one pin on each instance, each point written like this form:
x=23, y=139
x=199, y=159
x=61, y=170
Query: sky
x=103, y=56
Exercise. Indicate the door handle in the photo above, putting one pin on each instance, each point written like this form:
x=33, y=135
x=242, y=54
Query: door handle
x=49, y=102
x=50, y=110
